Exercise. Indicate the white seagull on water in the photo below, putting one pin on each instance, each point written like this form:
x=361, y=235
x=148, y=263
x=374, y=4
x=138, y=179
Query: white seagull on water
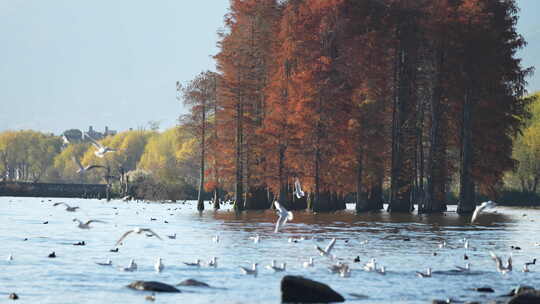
x=252, y=271
x=108, y=263
x=283, y=214
x=68, y=207
x=138, y=231
x=479, y=209
x=159, y=266
x=101, y=149
x=131, y=267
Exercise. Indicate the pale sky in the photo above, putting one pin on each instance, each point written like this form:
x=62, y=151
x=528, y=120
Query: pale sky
x=72, y=63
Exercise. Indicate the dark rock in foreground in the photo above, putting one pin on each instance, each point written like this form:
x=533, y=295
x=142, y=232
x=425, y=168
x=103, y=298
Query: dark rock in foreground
x=529, y=296
x=192, y=282
x=153, y=286
x=300, y=289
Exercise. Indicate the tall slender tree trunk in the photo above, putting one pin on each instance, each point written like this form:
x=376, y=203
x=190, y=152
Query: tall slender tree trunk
x=466, y=185
x=200, y=199
x=239, y=191
x=404, y=125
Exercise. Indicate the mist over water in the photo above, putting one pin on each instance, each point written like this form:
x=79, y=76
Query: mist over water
x=402, y=243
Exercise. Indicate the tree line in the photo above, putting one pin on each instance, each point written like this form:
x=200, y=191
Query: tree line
x=361, y=97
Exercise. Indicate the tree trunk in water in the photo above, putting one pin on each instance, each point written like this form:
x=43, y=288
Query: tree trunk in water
x=466, y=185
x=257, y=199
x=216, y=201
x=404, y=124
x=239, y=192
x=200, y=199
x=361, y=196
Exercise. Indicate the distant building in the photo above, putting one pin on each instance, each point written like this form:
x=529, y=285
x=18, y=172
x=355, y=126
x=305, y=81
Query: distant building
x=77, y=136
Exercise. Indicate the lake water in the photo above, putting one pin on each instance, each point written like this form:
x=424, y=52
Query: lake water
x=73, y=277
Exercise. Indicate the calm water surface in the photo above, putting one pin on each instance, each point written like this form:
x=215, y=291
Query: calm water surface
x=73, y=277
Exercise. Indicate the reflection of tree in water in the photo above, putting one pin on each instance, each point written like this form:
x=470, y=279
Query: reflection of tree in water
x=395, y=225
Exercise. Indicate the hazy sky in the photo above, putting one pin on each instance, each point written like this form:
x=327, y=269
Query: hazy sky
x=71, y=64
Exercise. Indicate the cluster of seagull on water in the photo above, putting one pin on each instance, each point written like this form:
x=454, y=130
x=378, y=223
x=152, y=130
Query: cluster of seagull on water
x=339, y=267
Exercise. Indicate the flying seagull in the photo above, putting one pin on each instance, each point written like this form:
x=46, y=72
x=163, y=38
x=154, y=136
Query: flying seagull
x=479, y=209
x=68, y=207
x=84, y=169
x=101, y=149
x=87, y=224
x=500, y=267
x=283, y=214
x=138, y=231
x=298, y=189
x=326, y=251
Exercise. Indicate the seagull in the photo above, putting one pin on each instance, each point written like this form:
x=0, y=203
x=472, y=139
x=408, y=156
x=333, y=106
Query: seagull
x=335, y=268
x=442, y=244
x=371, y=265
x=424, y=275
x=498, y=262
x=108, y=263
x=131, y=267
x=525, y=268
x=255, y=238
x=276, y=268
x=196, y=264
x=298, y=189
x=159, y=266
x=215, y=238
x=381, y=270
x=87, y=224
x=252, y=271
x=326, y=252
x=10, y=257
x=464, y=269
x=283, y=214
x=466, y=245
x=172, y=237
x=479, y=209
x=213, y=262
x=345, y=271
x=85, y=169
x=68, y=207
x=101, y=150
x=138, y=231
x=308, y=263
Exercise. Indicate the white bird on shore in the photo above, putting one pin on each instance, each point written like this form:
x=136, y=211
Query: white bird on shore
x=159, y=265
x=308, y=263
x=298, y=189
x=479, y=209
x=196, y=264
x=327, y=251
x=68, y=207
x=252, y=271
x=85, y=169
x=101, y=149
x=213, y=262
x=108, y=263
x=131, y=267
x=87, y=224
x=255, y=238
x=137, y=231
x=283, y=214
x=427, y=274
x=498, y=263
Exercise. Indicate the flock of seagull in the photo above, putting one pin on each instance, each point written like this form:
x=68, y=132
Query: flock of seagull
x=336, y=265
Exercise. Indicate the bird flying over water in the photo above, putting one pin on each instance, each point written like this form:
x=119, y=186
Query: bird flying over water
x=482, y=207
x=68, y=207
x=326, y=251
x=87, y=224
x=298, y=189
x=498, y=262
x=101, y=149
x=283, y=214
x=85, y=169
x=138, y=231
